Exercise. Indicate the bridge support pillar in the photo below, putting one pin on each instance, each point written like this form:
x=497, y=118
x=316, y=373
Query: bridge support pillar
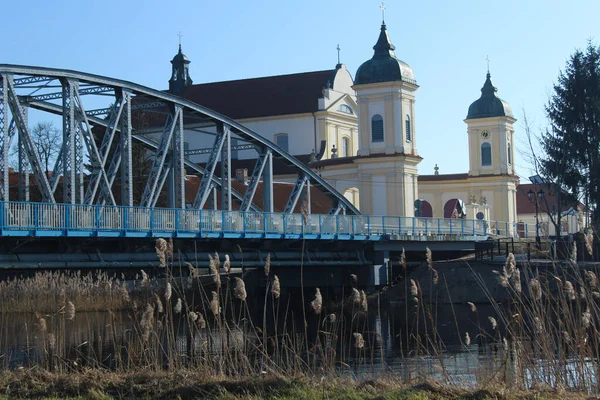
x=379, y=270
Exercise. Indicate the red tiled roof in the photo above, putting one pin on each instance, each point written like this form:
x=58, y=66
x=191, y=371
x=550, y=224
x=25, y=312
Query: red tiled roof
x=261, y=97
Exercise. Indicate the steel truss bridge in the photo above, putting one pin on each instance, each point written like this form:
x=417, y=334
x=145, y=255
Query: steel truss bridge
x=91, y=189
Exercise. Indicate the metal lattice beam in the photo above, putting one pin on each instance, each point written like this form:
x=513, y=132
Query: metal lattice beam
x=151, y=191
x=296, y=193
x=206, y=182
x=21, y=124
x=125, y=148
x=178, y=169
x=4, y=178
x=257, y=172
x=201, y=116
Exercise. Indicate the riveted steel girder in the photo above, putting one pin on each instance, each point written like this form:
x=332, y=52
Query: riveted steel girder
x=257, y=172
x=94, y=84
x=206, y=182
x=21, y=123
x=4, y=178
x=296, y=193
x=152, y=189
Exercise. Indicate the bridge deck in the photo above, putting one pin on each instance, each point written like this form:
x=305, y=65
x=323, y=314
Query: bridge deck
x=67, y=220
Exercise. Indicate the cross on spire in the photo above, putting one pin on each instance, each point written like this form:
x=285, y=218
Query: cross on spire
x=338, y=51
x=382, y=12
x=180, y=36
x=487, y=58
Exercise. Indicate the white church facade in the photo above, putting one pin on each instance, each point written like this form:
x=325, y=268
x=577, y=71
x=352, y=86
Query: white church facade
x=361, y=135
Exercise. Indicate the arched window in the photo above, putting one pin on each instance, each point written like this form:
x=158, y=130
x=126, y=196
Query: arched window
x=281, y=140
x=408, y=132
x=345, y=109
x=345, y=147
x=377, y=128
x=486, y=154
x=509, y=155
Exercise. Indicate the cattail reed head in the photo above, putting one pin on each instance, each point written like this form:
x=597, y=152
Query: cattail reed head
x=467, y=339
x=516, y=280
x=537, y=325
x=145, y=280
x=355, y=296
x=317, y=303
x=201, y=322
x=435, y=277
x=403, y=259
x=227, y=264
x=276, y=287
x=535, y=289
x=473, y=307
x=573, y=257
x=592, y=279
x=124, y=293
x=240, y=289
x=589, y=241
x=52, y=341
x=414, y=290
x=493, y=322
x=214, y=269
x=158, y=303
x=268, y=265
x=570, y=290
x=586, y=318
x=192, y=316
x=364, y=304
x=214, y=304
x=168, y=292
x=178, y=306
x=147, y=321
x=510, y=265
x=161, y=251
x=70, y=310
x=359, y=341
x=429, y=258
x=41, y=324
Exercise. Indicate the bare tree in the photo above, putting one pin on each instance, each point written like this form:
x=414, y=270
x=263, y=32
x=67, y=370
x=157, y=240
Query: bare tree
x=47, y=141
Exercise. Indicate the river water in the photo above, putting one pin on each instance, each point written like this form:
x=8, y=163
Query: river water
x=403, y=341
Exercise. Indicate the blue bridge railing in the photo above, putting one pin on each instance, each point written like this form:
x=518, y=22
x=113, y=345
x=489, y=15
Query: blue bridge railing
x=43, y=219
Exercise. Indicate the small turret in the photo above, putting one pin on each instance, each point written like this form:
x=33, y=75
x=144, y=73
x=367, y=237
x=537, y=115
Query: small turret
x=180, y=76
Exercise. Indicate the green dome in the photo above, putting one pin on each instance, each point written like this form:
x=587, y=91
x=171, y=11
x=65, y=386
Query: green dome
x=384, y=66
x=489, y=105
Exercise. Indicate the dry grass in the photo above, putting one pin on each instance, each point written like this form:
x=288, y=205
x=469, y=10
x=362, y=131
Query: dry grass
x=95, y=384
x=198, y=338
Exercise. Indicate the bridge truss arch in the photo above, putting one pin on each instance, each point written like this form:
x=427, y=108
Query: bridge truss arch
x=95, y=166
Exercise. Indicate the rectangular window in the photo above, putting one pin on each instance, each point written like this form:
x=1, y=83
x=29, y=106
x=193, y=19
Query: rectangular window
x=377, y=128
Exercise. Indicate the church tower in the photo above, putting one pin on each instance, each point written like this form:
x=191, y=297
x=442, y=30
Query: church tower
x=180, y=75
x=490, y=130
x=385, y=89
x=491, y=134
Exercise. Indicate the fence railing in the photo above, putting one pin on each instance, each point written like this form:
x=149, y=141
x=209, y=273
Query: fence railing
x=38, y=218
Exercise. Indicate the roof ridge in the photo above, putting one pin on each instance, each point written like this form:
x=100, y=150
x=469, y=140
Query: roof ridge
x=329, y=71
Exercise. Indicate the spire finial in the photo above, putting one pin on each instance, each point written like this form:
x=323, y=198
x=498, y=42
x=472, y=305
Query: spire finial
x=338, y=51
x=382, y=13
x=180, y=36
x=487, y=58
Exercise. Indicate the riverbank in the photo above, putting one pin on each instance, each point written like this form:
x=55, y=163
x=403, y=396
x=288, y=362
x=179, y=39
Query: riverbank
x=187, y=384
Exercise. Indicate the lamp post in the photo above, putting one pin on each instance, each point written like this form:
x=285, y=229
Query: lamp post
x=534, y=197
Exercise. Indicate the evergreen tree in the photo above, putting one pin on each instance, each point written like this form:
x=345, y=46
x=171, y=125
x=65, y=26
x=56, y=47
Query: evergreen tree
x=572, y=142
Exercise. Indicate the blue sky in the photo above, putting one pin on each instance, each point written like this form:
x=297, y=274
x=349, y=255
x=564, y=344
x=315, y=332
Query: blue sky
x=446, y=44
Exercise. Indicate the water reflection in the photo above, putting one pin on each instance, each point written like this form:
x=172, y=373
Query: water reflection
x=410, y=342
